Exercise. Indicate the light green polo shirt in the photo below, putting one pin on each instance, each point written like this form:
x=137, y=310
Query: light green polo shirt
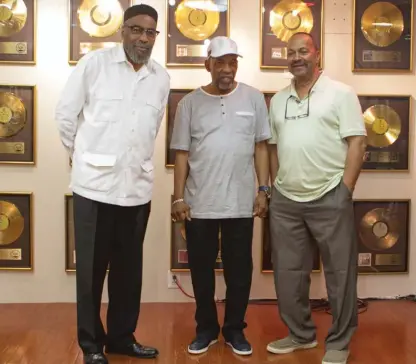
x=310, y=137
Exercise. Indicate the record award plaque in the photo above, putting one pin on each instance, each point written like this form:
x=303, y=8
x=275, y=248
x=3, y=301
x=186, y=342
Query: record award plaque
x=387, y=124
x=383, y=235
x=70, y=258
x=16, y=251
x=175, y=96
x=279, y=20
x=179, y=251
x=17, y=31
x=382, y=36
x=268, y=97
x=17, y=124
x=266, y=256
x=94, y=24
x=190, y=26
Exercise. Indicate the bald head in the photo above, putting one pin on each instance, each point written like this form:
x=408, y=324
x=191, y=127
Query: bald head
x=305, y=35
x=302, y=55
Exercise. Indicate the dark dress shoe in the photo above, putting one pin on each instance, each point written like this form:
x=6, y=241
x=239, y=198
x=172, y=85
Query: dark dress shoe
x=95, y=358
x=135, y=350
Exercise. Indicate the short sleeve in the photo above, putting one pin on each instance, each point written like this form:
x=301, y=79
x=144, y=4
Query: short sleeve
x=181, y=134
x=273, y=139
x=351, y=120
x=262, y=120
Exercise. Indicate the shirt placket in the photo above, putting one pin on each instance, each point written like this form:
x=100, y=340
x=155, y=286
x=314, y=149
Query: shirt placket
x=223, y=108
x=130, y=129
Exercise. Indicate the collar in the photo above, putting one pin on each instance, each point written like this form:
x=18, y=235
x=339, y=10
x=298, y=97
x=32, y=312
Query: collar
x=318, y=86
x=120, y=57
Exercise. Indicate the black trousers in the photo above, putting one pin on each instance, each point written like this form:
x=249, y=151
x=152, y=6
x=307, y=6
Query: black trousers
x=236, y=249
x=108, y=236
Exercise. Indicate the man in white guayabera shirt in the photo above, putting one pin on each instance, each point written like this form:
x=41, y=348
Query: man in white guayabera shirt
x=220, y=136
x=108, y=117
x=316, y=153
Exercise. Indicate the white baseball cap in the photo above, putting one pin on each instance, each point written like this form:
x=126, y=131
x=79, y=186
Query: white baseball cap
x=220, y=46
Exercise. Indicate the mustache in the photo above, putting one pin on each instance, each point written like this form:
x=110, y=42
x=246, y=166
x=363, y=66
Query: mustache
x=142, y=45
x=297, y=63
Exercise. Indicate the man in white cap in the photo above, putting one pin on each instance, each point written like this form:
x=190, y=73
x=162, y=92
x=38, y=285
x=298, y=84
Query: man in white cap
x=220, y=136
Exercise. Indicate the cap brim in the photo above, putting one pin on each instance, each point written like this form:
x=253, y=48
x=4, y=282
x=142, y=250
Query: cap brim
x=214, y=55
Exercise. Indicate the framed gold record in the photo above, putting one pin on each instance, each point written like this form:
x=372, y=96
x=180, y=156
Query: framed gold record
x=18, y=124
x=175, y=96
x=178, y=248
x=387, y=121
x=268, y=97
x=279, y=20
x=17, y=32
x=383, y=228
x=70, y=258
x=94, y=24
x=190, y=25
x=266, y=251
x=382, y=36
x=16, y=236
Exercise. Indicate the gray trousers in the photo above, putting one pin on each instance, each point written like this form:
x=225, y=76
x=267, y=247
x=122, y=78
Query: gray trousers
x=330, y=220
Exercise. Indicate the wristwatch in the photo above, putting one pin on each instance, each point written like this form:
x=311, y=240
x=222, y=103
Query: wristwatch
x=265, y=189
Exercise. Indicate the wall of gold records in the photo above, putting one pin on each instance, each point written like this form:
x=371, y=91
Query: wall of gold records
x=36, y=256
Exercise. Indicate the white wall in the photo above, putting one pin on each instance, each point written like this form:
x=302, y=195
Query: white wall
x=49, y=281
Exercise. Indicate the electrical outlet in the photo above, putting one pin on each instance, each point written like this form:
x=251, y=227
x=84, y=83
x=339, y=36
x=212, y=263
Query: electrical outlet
x=171, y=282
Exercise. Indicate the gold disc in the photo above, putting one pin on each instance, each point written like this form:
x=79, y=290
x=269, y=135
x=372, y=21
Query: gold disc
x=379, y=229
x=382, y=24
x=12, y=115
x=289, y=17
x=196, y=24
x=11, y=223
x=13, y=15
x=383, y=125
x=100, y=18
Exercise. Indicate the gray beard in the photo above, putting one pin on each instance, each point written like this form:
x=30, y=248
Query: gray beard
x=135, y=57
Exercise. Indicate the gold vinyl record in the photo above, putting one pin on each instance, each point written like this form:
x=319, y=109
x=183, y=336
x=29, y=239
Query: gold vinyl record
x=382, y=24
x=100, y=18
x=196, y=24
x=383, y=125
x=12, y=115
x=379, y=229
x=11, y=223
x=13, y=15
x=289, y=17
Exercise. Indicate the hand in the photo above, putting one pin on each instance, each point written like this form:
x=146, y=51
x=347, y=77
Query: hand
x=261, y=205
x=180, y=212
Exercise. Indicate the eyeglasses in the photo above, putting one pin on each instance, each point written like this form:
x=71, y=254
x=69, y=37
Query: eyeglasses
x=138, y=30
x=297, y=116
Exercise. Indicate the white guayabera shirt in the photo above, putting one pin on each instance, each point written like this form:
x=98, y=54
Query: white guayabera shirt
x=108, y=118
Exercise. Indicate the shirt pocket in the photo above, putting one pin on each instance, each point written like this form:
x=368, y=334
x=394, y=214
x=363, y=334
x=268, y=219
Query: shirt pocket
x=107, y=105
x=153, y=108
x=243, y=122
x=149, y=116
x=94, y=171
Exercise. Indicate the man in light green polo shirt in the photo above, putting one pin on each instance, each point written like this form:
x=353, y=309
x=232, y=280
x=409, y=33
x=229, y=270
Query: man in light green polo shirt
x=316, y=152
